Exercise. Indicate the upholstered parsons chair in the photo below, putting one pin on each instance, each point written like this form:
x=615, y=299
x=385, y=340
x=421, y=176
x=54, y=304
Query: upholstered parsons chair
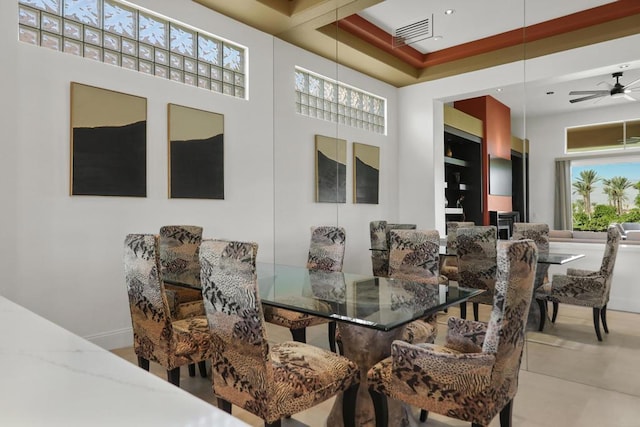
x=156, y=336
x=474, y=376
x=477, y=264
x=379, y=232
x=179, y=246
x=449, y=265
x=326, y=253
x=274, y=381
x=414, y=255
x=583, y=287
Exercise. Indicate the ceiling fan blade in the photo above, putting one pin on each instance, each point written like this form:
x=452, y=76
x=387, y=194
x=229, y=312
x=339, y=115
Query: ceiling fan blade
x=633, y=83
x=629, y=98
x=586, y=98
x=589, y=92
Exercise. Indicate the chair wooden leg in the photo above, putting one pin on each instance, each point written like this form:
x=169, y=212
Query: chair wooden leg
x=506, y=415
x=192, y=369
x=143, y=363
x=423, y=415
x=475, y=311
x=603, y=317
x=224, y=405
x=202, y=367
x=476, y=425
x=332, y=336
x=340, y=347
x=555, y=312
x=273, y=424
x=349, y=406
x=173, y=375
x=543, y=313
x=596, y=322
x=380, y=408
x=299, y=335
x=463, y=310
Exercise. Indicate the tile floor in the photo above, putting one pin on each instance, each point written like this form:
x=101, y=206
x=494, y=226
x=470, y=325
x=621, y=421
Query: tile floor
x=567, y=378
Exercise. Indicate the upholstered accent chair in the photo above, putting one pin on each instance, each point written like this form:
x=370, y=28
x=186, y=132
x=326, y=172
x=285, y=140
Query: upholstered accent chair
x=449, y=264
x=583, y=287
x=414, y=255
x=477, y=264
x=474, y=375
x=179, y=246
x=271, y=382
x=156, y=336
x=539, y=233
x=326, y=253
x=379, y=232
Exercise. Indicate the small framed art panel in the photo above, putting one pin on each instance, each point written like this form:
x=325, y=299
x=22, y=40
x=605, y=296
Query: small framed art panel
x=196, y=153
x=108, y=142
x=366, y=173
x=331, y=168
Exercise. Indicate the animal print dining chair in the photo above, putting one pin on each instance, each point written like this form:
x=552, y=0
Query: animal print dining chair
x=270, y=381
x=156, y=336
x=474, y=376
x=449, y=264
x=326, y=253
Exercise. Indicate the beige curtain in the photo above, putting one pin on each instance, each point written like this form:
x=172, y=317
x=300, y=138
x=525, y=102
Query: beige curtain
x=562, y=207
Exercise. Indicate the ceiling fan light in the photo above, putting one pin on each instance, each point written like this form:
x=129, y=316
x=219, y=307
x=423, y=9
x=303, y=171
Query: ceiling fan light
x=618, y=95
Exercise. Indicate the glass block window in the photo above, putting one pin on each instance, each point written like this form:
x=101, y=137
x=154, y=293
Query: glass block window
x=327, y=99
x=119, y=34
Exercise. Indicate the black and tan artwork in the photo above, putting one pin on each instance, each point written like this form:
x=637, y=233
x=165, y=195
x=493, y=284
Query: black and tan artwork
x=366, y=173
x=331, y=168
x=196, y=153
x=108, y=142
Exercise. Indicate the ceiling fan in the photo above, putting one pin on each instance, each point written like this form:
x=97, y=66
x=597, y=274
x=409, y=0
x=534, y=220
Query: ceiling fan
x=617, y=90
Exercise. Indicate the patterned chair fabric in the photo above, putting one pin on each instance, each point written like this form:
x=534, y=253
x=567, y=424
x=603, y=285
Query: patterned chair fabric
x=156, y=336
x=380, y=234
x=414, y=255
x=449, y=265
x=179, y=246
x=539, y=233
x=477, y=260
x=326, y=253
x=270, y=382
x=474, y=375
x=584, y=287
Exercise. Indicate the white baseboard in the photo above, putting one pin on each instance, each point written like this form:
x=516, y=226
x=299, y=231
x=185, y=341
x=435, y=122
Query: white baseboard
x=113, y=339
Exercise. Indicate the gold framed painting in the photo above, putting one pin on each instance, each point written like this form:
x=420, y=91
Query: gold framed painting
x=196, y=153
x=331, y=168
x=108, y=142
x=366, y=173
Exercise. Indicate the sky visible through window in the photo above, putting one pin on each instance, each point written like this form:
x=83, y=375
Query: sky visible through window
x=630, y=170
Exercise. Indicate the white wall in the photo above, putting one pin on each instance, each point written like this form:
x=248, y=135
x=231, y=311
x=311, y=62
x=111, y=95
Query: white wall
x=294, y=164
x=62, y=256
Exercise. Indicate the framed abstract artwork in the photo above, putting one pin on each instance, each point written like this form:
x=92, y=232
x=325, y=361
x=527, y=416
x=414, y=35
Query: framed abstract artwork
x=366, y=173
x=196, y=153
x=108, y=142
x=331, y=168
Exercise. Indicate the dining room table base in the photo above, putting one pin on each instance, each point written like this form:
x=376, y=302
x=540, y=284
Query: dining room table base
x=366, y=347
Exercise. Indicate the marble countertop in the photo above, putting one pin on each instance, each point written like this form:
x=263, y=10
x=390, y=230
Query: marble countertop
x=51, y=377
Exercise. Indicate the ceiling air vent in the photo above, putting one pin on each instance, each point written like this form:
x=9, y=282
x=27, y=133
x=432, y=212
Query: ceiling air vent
x=413, y=32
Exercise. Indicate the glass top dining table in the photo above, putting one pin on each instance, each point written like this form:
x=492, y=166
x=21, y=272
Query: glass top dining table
x=374, y=302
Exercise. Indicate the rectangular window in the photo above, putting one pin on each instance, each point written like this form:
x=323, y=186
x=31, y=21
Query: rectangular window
x=119, y=34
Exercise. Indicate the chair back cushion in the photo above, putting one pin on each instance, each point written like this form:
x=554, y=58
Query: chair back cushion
x=452, y=232
x=477, y=260
x=517, y=262
x=150, y=317
x=539, y=233
x=326, y=251
x=234, y=313
x=414, y=255
x=179, y=246
x=379, y=253
x=609, y=258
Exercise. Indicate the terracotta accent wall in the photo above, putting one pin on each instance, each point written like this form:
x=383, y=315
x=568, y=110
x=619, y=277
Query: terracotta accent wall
x=496, y=118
